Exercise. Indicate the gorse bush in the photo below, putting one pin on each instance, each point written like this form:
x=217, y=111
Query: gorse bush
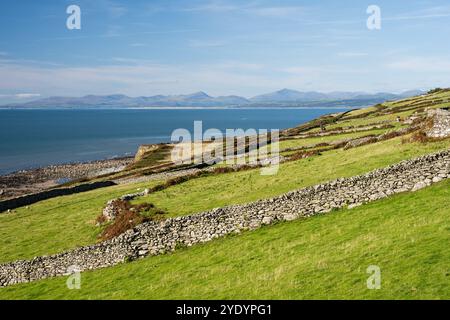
x=128, y=217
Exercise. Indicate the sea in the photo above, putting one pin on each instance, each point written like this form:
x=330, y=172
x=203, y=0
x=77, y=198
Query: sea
x=36, y=138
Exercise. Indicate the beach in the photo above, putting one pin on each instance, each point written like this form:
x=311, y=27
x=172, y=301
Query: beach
x=35, y=180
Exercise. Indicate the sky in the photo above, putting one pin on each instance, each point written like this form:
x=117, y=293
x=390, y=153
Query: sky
x=222, y=47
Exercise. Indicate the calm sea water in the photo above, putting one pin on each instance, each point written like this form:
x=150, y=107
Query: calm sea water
x=35, y=138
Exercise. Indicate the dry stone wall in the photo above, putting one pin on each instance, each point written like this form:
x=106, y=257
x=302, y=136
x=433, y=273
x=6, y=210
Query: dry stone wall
x=23, y=201
x=156, y=238
x=441, y=123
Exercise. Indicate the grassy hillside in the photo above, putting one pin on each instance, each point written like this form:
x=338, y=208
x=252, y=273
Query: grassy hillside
x=323, y=257
x=235, y=188
x=55, y=225
x=63, y=223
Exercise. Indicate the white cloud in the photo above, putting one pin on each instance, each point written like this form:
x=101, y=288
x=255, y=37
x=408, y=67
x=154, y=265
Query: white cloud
x=21, y=95
x=352, y=54
x=138, y=45
x=137, y=77
x=427, y=13
x=215, y=6
x=131, y=61
x=421, y=64
x=240, y=66
x=252, y=8
x=207, y=43
x=279, y=12
x=27, y=95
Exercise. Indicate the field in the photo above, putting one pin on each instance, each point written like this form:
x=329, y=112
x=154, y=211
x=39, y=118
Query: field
x=324, y=257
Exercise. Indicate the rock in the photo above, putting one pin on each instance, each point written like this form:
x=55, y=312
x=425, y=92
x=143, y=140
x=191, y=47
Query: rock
x=111, y=211
x=418, y=186
x=354, y=205
x=437, y=179
x=267, y=220
x=143, y=253
x=290, y=217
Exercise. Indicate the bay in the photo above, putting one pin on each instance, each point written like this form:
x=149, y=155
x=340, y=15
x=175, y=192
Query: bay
x=36, y=138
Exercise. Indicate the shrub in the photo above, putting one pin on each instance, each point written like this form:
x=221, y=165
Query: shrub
x=419, y=136
x=128, y=217
x=303, y=155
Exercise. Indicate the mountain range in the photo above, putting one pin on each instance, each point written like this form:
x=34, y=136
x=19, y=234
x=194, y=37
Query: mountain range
x=285, y=97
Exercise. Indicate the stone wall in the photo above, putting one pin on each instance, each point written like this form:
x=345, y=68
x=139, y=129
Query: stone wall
x=156, y=238
x=22, y=201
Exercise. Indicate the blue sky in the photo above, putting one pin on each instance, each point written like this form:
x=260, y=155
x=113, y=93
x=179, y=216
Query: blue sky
x=223, y=47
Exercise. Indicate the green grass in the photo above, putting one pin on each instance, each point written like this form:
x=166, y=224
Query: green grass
x=323, y=257
x=153, y=158
x=302, y=142
x=371, y=119
x=63, y=223
x=55, y=225
x=246, y=186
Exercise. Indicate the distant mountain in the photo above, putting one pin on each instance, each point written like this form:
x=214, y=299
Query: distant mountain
x=285, y=97
x=412, y=93
x=198, y=99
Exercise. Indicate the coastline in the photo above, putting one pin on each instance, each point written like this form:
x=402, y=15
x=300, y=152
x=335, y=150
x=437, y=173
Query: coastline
x=34, y=180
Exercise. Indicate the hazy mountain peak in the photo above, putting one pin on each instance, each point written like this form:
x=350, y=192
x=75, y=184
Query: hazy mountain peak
x=198, y=95
x=201, y=99
x=288, y=95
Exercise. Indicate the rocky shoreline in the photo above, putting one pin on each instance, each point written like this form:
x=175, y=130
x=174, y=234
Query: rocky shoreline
x=35, y=180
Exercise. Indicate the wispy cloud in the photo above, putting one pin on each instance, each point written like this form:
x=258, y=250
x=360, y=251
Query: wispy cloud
x=241, y=66
x=116, y=10
x=279, y=12
x=138, y=44
x=137, y=77
x=218, y=6
x=131, y=61
x=426, y=13
x=21, y=95
x=115, y=33
x=352, y=54
x=251, y=8
x=421, y=64
x=207, y=43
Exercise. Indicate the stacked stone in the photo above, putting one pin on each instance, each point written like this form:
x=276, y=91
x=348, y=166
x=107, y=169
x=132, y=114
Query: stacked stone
x=441, y=123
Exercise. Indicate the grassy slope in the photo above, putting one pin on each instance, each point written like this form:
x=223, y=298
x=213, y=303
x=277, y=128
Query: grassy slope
x=55, y=225
x=59, y=224
x=325, y=257
x=63, y=223
x=327, y=139
x=217, y=191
